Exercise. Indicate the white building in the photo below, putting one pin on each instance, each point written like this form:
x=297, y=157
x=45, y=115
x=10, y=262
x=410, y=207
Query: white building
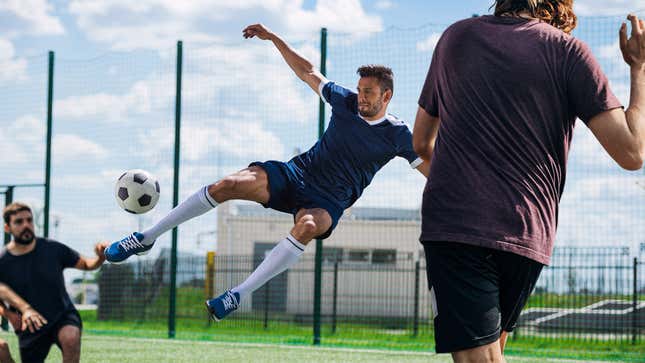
x=375, y=249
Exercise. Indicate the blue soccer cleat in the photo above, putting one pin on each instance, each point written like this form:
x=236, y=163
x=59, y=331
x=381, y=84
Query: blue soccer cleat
x=221, y=306
x=119, y=251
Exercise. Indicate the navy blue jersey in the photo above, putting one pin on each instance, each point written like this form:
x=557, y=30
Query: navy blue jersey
x=344, y=161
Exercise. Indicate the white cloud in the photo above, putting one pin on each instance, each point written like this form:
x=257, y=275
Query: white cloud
x=68, y=147
x=35, y=13
x=605, y=8
x=232, y=137
x=217, y=79
x=428, y=44
x=396, y=185
x=22, y=141
x=105, y=106
x=156, y=24
x=384, y=4
x=612, y=187
x=611, y=51
x=11, y=67
x=345, y=16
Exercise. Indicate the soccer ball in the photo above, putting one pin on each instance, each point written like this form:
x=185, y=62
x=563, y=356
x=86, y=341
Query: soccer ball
x=136, y=191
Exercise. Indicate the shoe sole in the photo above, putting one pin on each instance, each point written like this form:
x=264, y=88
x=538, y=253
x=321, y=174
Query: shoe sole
x=146, y=251
x=120, y=262
x=211, y=315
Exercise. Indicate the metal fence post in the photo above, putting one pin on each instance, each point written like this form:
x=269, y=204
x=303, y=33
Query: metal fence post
x=48, y=151
x=318, y=263
x=335, y=302
x=175, y=198
x=8, y=199
x=634, y=300
x=267, y=291
x=416, y=298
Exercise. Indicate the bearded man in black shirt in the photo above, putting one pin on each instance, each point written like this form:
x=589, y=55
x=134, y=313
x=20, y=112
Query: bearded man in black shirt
x=33, y=268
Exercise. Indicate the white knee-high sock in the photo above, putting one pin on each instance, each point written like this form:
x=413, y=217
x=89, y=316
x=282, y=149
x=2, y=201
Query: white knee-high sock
x=197, y=204
x=284, y=255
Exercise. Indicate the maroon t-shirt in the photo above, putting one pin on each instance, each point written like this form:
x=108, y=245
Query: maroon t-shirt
x=507, y=92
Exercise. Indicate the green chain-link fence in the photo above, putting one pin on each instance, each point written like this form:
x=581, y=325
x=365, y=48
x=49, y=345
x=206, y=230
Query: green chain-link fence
x=241, y=103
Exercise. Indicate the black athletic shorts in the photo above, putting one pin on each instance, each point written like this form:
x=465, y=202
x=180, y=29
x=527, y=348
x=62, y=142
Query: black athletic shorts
x=476, y=292
x=36, y=347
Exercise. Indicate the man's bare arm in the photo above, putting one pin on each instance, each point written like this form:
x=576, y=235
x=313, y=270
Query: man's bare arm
x=424, y=135
x=424, y=168
x=299, y=64
x=92, y=263
x=31, y=319
x=622, y=133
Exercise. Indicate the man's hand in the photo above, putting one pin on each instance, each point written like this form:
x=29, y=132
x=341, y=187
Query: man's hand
x=99, y=249
x=30, y=319
x=633, y=48
x=257, y=30
x=14, y=319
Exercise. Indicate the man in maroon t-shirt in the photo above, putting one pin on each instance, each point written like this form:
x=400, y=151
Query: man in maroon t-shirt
x=496, y=117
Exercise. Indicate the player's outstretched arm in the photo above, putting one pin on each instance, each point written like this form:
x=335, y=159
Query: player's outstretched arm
x=424, y=168
x=622, y=133
x=299, y=64
x=87, y=263
x=424, y=135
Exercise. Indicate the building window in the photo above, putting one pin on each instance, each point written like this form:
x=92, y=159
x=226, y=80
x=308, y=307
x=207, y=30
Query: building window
x=359, y=256
x=380, y=257
x=332, y=255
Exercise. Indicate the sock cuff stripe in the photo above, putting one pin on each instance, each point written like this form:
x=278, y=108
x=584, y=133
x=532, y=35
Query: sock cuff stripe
x=290, y=239
x=208, y=197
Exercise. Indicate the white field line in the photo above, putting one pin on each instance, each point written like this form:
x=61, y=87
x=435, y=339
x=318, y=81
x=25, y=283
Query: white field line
x=309, y=348
x=560, y=312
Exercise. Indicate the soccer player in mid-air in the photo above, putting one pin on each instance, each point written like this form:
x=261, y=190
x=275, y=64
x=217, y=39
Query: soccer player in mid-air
x=316, y=186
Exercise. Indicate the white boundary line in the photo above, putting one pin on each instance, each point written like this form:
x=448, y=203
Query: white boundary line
x=311, y=348
x=558, y=312
x=314, y=348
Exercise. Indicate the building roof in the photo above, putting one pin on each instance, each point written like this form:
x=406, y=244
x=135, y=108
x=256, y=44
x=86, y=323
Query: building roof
x=354, y=213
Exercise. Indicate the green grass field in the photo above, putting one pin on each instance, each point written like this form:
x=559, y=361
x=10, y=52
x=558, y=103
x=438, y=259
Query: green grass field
x=354, y=337
x=100, y=348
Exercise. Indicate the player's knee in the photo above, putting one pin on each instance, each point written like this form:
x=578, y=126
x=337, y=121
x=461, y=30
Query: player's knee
x=307, y=223
x=70, y=339
x=305, y=228
x=4, y=346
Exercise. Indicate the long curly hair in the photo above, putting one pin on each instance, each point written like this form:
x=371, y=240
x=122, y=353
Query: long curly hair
x=558, y=13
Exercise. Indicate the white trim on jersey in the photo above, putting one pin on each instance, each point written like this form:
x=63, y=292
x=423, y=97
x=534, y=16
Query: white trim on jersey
x=375, y=122
x=394, y=120
x=320, y=89
x=416, y=163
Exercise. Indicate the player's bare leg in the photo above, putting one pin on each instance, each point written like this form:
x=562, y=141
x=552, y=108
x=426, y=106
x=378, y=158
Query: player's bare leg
x=5, y=354
x=251, y=184
x=502, y=341
x=489, y=353
x=309, y=224
x=69, y=338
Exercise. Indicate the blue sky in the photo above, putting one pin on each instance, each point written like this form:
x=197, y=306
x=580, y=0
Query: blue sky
x=114, y=101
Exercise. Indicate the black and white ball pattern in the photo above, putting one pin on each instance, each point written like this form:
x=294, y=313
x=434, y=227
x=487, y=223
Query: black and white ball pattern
x=137, y=191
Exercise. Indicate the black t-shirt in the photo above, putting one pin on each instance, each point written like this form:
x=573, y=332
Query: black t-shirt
x=37, y=277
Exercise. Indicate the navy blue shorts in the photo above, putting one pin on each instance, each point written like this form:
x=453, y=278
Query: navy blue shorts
x=289, y=193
